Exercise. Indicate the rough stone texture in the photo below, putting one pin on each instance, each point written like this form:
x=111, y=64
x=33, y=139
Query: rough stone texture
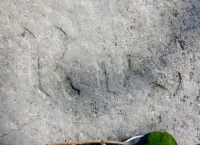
x=103, y=69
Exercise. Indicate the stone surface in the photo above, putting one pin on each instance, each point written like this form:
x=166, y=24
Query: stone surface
x=77, y=70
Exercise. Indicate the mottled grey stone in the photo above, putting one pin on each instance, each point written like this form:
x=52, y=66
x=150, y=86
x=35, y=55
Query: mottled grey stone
x=79, y=70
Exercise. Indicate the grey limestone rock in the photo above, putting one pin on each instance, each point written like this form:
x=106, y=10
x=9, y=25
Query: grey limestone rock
x=84, y=69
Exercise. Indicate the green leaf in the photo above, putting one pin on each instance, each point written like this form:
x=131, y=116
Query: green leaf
x=160, y=138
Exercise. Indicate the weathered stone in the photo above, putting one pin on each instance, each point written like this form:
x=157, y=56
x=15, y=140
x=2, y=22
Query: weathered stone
x=74, y=70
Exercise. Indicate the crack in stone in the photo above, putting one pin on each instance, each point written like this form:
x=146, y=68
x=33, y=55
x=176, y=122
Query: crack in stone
x=128, y=73
x=106, y=78
x=39, y=81
x=78, y=91
x=62, y=31
x=129, y=61
x=159, y=85
x=181, y=43
x=179, y=83
x=5, y=134
x=26, y=29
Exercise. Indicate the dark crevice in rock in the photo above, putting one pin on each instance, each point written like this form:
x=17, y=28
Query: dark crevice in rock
x=128, y=72
x=159, y=85
x=62, y=31
x=129, y=61
x=159, y=119
x=78, y=91
x=106, y=80
x=179, y=83
x=181, y=43
x=180, y=80
x=26, y=29
x=42, y=90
